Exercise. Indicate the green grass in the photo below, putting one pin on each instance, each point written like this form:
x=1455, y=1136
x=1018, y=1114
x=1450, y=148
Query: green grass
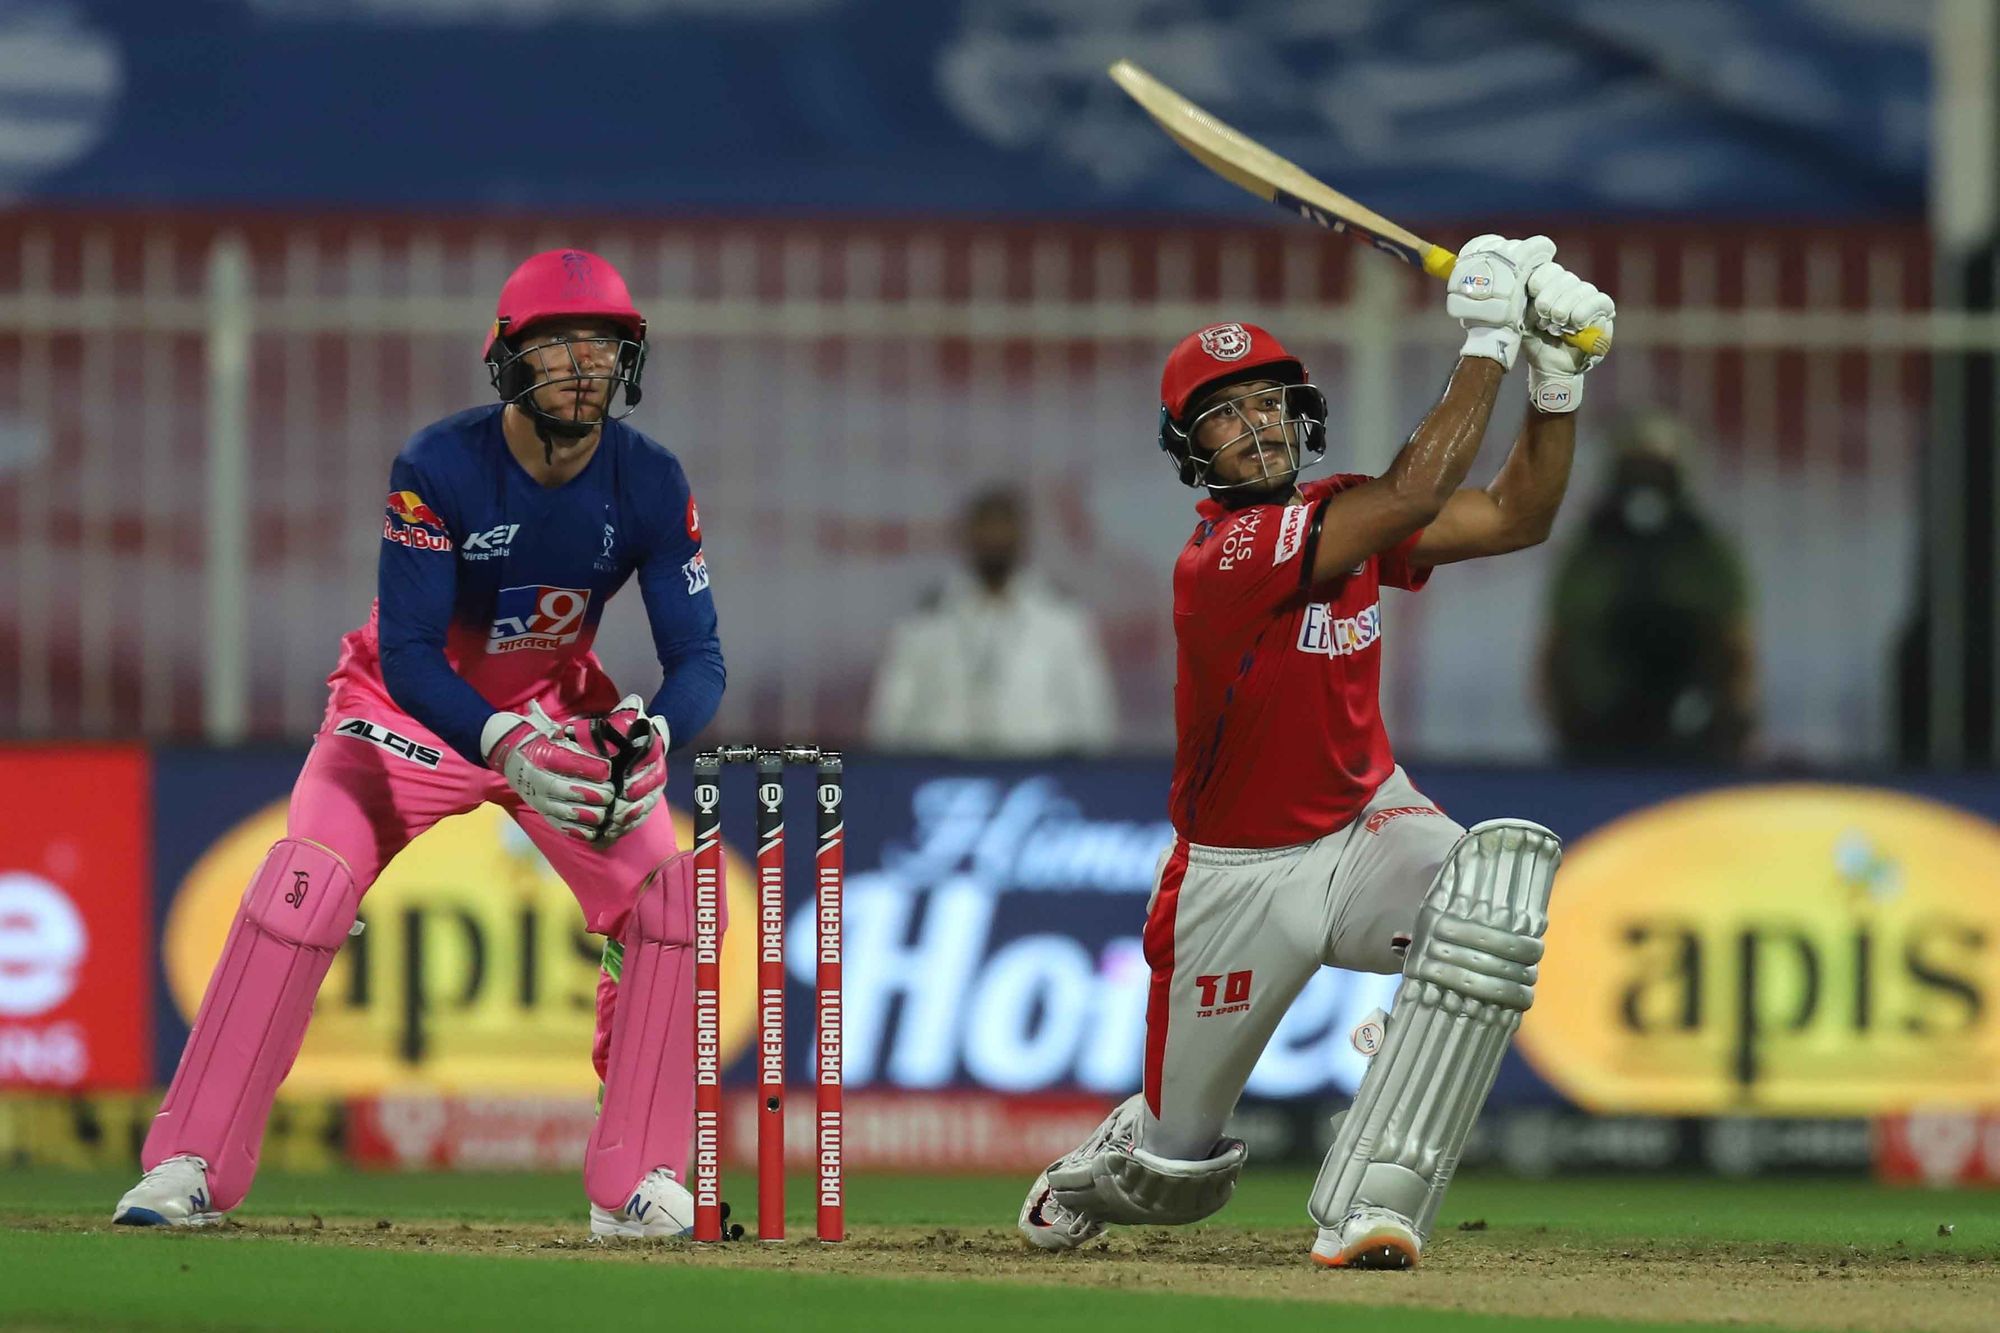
x=1692, y=1211
x=74, y=1278
x=182, y=1283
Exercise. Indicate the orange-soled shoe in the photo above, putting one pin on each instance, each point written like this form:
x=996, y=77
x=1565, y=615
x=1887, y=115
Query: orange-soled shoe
x=1368, y=1238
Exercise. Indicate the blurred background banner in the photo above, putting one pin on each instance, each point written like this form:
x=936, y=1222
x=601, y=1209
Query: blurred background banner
x=1787, y=949
x=969, y=107
x=76, y=944
x=1765, y=951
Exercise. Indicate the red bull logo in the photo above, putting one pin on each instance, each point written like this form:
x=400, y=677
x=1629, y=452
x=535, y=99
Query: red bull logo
x=412, y=523
x=409, y=507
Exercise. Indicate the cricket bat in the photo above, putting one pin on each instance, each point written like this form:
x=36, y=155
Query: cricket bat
x=1245, y=162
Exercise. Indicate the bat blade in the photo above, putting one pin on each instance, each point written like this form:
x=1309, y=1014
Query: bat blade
x=1244, y=162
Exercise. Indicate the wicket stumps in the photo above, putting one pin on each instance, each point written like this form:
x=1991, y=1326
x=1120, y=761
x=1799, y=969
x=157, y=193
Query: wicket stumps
x=710, y=893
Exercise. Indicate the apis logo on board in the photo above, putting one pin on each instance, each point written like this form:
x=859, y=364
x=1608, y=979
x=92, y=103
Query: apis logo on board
x=1801, y=949
x=474, y=973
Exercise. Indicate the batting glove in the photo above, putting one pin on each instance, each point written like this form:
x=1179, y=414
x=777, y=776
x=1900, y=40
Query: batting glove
x=1559, y=302
x=1488, y=293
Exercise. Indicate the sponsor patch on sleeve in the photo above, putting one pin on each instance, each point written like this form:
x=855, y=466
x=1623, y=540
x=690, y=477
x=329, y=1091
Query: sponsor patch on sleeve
x=408, y=521
x=1292, y=533
x=697, y=573
x=693, y=521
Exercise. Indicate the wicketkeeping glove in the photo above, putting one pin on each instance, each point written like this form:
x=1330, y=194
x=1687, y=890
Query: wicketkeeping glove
x=1559, y=302
x=635, y=744
x=1488, y=292
x=568, y=786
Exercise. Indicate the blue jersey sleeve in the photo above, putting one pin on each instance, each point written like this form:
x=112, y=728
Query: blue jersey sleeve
x=416, y=580
x=673, y=580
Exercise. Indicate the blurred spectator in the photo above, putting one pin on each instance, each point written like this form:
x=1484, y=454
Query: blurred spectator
x=1648, y=655
x=997, y=661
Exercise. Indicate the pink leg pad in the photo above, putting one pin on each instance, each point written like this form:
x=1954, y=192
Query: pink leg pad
x=294, y=916
x=648, y=1115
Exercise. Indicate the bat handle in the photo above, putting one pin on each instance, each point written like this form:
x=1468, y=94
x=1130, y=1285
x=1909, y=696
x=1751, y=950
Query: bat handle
x=1593, y=340
x=1438, y=262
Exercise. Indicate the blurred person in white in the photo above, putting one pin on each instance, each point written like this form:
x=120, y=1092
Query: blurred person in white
x=998, y=661
x=1648, y=657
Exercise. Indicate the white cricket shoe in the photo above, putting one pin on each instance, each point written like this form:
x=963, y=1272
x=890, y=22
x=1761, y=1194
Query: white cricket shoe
x=1368, y=1238
x=660, y=1207
x=1048, y=1225
x=172, y=1194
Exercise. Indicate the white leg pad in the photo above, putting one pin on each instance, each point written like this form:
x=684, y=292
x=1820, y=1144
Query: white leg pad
x=1111, y=1179
x=1469, y=977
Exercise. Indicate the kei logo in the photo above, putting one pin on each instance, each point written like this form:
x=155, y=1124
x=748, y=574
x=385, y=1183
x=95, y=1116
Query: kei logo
x=535, y=615
x=492, y=544
x=301, y=885
x=1226, y=342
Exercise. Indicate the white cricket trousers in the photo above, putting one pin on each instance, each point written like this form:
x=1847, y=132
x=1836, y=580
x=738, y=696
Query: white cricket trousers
x=1233, y=935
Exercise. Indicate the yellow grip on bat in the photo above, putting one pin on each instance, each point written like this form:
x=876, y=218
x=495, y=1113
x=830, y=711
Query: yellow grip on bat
x=1595, y=341
x=1438, y=263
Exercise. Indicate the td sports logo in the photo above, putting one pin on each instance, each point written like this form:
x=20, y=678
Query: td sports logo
x=535, y=615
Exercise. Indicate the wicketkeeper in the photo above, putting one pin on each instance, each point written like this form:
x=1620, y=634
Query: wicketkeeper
x=508, y=527
x=1301, y=843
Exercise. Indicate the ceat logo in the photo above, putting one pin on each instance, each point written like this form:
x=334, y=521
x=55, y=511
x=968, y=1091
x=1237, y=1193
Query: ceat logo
x=42, y=945
x=1226, y=342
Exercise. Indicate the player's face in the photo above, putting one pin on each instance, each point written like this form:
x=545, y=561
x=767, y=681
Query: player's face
x=1242, y=428
x=574, y=366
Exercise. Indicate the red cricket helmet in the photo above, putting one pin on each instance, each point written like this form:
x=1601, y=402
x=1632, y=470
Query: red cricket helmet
x=562, y=285
x=1223, y=354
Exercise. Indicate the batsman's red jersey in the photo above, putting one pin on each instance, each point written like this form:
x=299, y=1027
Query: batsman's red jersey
x=1277, y=709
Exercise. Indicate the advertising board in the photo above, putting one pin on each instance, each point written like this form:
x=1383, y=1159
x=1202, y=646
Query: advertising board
x=75, y=921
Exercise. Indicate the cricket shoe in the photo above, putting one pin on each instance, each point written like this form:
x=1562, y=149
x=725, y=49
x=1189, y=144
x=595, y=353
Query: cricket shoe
x=660, y=1207
x=173, y=1194
x=1368, y=1238
x=1050, y=1226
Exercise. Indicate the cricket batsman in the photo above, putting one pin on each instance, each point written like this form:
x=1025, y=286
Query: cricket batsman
x=1300, y=842
x=508, y=528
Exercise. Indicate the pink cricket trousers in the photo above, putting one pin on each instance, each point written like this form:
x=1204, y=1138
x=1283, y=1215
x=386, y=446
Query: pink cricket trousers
x=365, y=792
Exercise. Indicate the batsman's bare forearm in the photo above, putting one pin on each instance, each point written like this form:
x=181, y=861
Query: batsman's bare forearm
x=1518, y=509
x=1535, y=477
x=1432, y=465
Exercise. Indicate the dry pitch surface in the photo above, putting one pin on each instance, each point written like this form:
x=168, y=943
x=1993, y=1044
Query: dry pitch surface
x=1607, y=1253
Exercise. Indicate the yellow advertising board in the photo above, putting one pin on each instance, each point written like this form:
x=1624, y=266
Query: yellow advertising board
x=474, y=973
x=1793, y=949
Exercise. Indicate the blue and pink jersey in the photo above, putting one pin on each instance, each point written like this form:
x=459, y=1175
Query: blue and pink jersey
x=491, y=585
